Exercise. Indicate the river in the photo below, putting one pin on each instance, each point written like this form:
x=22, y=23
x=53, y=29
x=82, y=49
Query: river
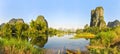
x=65, y=42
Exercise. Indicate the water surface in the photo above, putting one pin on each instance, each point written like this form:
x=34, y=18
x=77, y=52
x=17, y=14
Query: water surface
x=65, y=42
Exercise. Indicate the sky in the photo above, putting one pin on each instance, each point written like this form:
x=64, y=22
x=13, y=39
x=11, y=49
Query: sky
x=59, y=13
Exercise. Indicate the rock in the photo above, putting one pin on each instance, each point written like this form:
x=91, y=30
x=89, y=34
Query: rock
x=13, y=21
x=97, y=18
x=113, y=24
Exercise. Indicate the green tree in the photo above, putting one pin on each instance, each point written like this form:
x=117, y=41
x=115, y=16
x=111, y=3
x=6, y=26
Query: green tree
x=86, y=26
x=40, y=24
x=93, y=30
x=20, y=29
x=7, y=30
x=79, y=31
x=38, y=31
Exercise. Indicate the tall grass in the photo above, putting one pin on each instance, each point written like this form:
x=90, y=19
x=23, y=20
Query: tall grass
x=14, y=46
x=102, y=43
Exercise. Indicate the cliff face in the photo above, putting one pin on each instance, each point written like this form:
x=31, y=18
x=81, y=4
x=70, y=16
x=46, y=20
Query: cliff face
x=114, y=23
x=97, y=18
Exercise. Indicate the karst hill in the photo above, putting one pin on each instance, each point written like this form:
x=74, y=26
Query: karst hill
x=97, y=18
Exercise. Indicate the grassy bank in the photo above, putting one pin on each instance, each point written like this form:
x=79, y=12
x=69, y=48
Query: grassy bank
x=14, y=46
x=84, y=35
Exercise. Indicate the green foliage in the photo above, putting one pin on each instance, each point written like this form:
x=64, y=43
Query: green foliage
x=20, y=38
x=117, y=30
x=96, y=30
x=38, y=31
x=14, y=46
x=40, y=24
x=52, y=31
x=86, y=26
x=93, y=30
x=106, y=37
x=6, y=31
x=79, y=31
x=20, y=28
x=104, y=51
x=58, y=32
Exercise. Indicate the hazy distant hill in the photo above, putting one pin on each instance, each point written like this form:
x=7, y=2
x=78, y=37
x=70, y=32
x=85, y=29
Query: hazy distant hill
x=114, y=23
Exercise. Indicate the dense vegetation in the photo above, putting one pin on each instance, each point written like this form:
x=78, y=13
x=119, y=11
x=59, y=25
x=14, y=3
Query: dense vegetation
x=17, y=37
x=105, y=41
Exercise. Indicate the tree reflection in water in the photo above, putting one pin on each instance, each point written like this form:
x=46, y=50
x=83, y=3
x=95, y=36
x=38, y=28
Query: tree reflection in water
x=40, y=40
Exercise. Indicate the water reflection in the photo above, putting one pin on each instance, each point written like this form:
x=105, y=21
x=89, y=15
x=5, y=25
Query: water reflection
x=65, y=41
x=40, y=40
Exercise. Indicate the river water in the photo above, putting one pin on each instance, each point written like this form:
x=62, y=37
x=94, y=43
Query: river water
x=65, y=42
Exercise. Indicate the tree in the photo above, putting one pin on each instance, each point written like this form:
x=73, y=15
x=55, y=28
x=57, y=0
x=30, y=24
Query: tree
x=20, y=29
x=38, y=31
x=93, y=30
x=40, y=24
x=86, y=26
x=79, y=31
x=7, y=30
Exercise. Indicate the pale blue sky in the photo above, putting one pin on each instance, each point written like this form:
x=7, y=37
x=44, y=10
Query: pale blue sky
x=58, y=13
